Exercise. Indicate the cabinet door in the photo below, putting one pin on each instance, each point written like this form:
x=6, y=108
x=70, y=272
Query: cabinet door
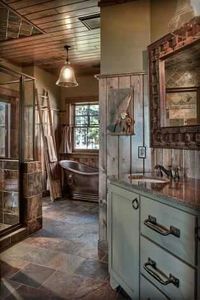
x=123, y=216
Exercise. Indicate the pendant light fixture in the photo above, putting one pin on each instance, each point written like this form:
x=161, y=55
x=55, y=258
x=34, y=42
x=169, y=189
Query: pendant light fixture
x=67, y=77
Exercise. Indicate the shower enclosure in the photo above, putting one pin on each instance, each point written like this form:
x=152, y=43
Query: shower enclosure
x=17, y=108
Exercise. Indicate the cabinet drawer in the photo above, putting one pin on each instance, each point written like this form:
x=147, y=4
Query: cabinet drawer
x=171, y=228
x=149, y=292
x=168, y=273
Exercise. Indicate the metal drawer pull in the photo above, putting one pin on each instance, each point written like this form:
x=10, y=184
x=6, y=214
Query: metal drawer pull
x=151, y=222
x=151, y=268
x=135, y=203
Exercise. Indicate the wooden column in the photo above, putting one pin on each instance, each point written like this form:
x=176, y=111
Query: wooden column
x=118, y=155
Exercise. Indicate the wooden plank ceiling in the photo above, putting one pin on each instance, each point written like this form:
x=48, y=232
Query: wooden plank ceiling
x=60, y=24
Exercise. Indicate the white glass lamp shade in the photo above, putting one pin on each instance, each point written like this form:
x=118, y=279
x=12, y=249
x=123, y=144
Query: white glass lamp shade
x=67, y=77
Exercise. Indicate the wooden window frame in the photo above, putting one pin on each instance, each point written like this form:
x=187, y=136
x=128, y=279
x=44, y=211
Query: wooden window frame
x=75, y=150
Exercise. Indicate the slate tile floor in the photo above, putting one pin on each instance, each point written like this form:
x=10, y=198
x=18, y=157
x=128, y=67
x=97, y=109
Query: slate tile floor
x=60, y=261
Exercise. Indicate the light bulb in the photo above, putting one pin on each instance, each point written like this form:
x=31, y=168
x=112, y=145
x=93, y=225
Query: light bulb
x=67, y=73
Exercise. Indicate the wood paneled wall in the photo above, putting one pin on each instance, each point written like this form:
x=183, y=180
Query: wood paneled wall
x=187, y=160
x=118, y=155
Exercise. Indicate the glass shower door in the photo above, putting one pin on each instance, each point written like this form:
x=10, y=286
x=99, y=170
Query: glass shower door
x=9, y=150
x=17, y=114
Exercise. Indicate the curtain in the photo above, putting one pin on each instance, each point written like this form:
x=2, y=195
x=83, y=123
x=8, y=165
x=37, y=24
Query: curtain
x=66, y=140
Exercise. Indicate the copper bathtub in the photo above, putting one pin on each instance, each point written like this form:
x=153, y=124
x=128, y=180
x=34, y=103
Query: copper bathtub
x=80, y=182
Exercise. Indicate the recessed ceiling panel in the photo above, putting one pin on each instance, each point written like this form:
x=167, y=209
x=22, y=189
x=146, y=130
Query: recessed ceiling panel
x=13, y=26
x=60, y=24
x=91, y=22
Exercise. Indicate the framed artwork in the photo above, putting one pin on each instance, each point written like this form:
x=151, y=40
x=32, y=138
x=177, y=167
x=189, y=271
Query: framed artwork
x=182, y=107
x=121, y=111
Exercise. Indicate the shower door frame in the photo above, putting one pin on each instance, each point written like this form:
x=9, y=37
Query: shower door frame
x=21, y=145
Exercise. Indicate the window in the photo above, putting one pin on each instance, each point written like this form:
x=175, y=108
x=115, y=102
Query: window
x=4, y=129
x=86, y=126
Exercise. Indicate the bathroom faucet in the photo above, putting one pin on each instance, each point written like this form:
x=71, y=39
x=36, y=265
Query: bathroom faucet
x=171, y=173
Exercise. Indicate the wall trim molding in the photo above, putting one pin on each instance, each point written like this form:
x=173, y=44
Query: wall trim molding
x=81, y=99
x=101, y=76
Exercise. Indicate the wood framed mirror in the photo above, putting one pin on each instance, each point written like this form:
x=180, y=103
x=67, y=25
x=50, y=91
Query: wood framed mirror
x=174, y=79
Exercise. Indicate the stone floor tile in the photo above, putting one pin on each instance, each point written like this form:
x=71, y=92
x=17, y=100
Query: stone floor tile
x=78, y=220
x=71, y=286
x=11, y=266
x=55, y=244
x=16, y=252
x=61, y=284
x=29, y=293
x=88, y=252
x=8, y=287
x=70, y=247
x=65, y=262
x=94, y=269
x=59, y=262
x=32, y=275
x=39, y=256
x=43, y=242
x=104, y=292
x=91, y=239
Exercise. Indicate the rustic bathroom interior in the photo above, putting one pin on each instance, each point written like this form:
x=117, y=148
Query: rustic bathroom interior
x=100, y=149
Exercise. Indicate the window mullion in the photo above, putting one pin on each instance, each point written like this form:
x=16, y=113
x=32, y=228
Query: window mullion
x=82, y=122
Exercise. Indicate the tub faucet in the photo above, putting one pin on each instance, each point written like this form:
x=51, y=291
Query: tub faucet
x=171, y=173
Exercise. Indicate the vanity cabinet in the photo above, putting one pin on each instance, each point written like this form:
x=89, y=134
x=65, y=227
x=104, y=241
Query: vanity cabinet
x=153, y=246
x=123, y=239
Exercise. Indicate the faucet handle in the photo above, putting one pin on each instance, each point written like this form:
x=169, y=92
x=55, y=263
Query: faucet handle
x=158, y=169
x=177, y=173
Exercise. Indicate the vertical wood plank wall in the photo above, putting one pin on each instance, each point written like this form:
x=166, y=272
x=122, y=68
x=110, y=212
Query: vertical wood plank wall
x=187, y=160
x=118, y=155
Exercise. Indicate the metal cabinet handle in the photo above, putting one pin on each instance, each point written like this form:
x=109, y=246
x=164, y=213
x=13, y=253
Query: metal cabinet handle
x=135, y=203
x=151, y=222
x=152, y=269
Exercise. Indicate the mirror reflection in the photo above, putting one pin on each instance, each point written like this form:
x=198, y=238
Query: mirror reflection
x=182, y=88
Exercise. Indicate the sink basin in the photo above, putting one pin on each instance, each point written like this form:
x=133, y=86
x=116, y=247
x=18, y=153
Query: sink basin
x=142, y=178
